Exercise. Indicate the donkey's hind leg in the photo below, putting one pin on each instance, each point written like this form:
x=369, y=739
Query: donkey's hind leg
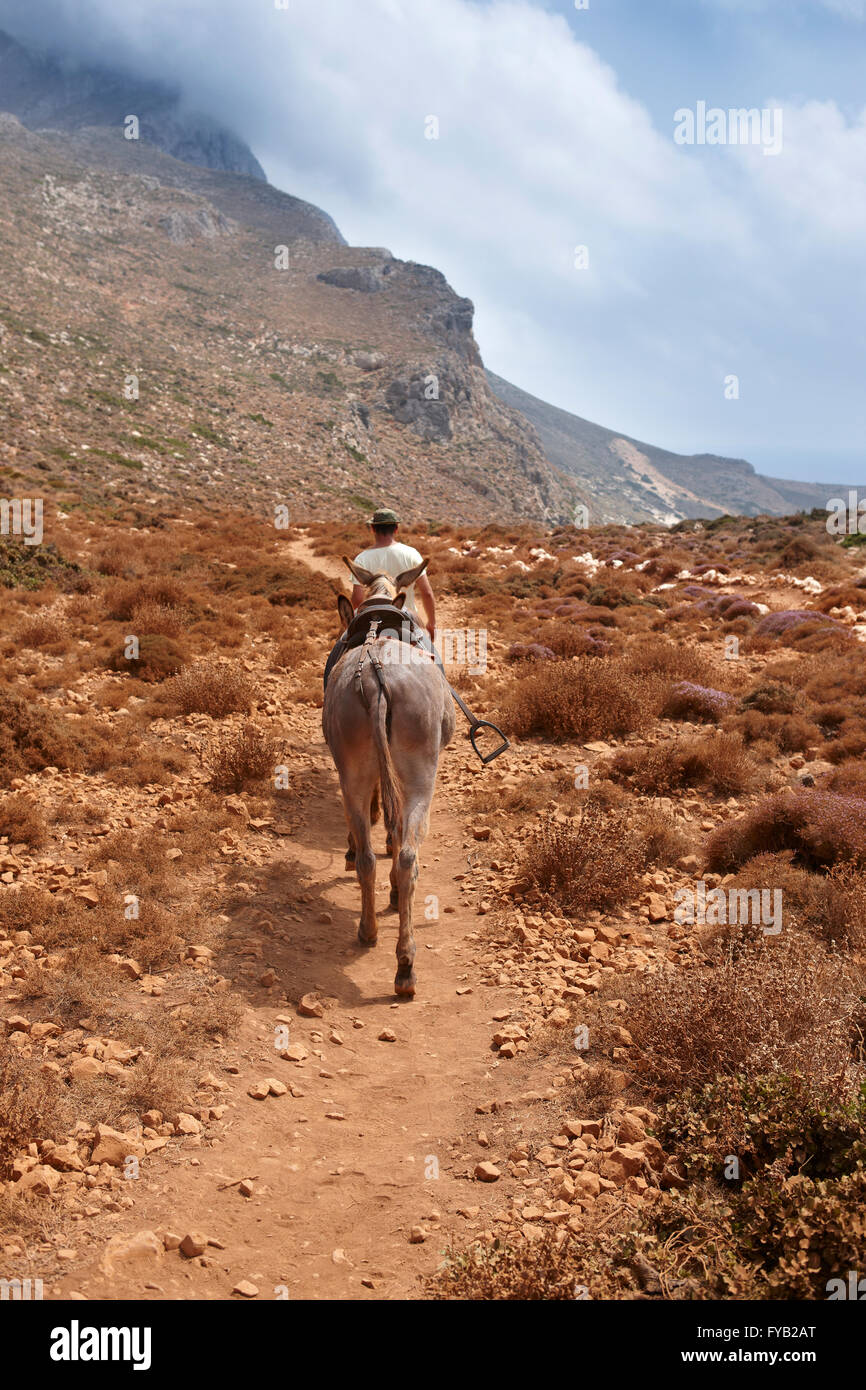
x=358, y=816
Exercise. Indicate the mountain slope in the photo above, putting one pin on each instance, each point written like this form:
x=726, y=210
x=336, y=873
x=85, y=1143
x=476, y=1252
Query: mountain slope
x=346, y=379
x=629, y=480
x=45, y=91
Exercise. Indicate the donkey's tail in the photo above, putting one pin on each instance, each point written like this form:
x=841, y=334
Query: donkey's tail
x=392, y=802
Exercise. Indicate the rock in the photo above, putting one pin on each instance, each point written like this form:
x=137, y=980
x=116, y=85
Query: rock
x=123, y=1249
x=65, y=1158
x=481, y=832
x=260, y=1090
x=194, y=1243
x=586, y=1184
x=41, y=1181
x=296, y=1053
x=84, y=1067
x=418, y=1235
x=268, y=979
x=673, y=1174
x=622, y=1163
x=631, y=1131
x=187, y=1124
x=115, y=1148
x=276, y=1088
x=487, y=1172
x=246, y=1289
x=310, y=1007
x=657, y=908
x=386, y=1035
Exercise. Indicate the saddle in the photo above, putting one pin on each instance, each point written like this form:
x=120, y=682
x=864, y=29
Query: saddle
x=396, y=622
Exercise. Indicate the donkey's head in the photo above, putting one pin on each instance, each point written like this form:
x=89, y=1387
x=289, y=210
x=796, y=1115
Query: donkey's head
x=378, y=586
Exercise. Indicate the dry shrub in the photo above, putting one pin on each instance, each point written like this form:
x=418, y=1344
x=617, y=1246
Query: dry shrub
x=242, y=758
x=152, y=767
x=847, y=780
x=789, y=733
x=212, y=687
x=73, y=988
x=42, y=630
x=523, y=1272
x=651, y=655
x=152, y=618
x=33, y=1105
x=699, y=703
x=153, y=596
x=593, y=863
x=587, y=698
x=120, y=557
x=718, y=763
x=766, y=1004
x=159, y=657
x=22, y=820
x=820, y=828
x=31, y=738
x=660, y=838
x=290, y=652
x=770, y=697
x=831, y=905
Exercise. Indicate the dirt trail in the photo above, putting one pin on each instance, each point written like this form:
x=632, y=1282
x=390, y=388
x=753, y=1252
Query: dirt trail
x=359, y=1151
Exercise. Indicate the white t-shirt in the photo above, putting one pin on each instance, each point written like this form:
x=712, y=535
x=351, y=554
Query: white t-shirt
x=393, y=560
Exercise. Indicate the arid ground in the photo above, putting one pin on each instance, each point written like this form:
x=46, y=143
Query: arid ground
x=208, y=1088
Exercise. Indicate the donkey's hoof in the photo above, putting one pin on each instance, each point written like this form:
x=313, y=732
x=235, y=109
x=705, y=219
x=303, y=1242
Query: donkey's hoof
x=366, y=938
x=404, y=985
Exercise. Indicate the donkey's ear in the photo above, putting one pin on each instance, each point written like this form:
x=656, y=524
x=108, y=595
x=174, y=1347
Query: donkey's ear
x=359, y=574
x=346, y=611
x=398, y=601
x=409, y=576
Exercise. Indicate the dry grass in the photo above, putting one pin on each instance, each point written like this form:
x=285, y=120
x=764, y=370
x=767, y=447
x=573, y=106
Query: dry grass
x=717, y=763
x=212, y=687
x=587, y=698
x=764, y=1005
x=242, y=758
x=21, y=819
x=592, y=863
x=820, y=828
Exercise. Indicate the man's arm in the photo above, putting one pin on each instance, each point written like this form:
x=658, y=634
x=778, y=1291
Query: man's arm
x=426, y=594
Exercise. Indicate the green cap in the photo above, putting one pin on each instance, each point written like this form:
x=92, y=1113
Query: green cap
x=384, y=517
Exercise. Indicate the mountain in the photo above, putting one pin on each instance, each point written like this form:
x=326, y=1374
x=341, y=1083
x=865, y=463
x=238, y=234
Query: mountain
x=45, y=91
x=168, y=246
x=323, y=377
x=629, y=480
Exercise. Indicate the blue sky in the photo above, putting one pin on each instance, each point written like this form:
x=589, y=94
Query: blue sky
x=705, y=262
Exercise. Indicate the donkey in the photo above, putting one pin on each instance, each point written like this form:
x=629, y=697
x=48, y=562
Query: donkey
x=386, y=720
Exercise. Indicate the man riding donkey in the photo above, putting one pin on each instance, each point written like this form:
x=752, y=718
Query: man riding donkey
x=387, y=715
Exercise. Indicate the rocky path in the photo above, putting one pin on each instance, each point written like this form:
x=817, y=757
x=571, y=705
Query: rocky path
x=346, y=1183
